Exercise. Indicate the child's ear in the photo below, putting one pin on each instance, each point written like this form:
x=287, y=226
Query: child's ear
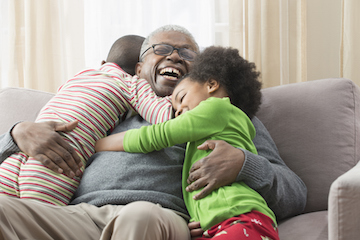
x=212, y=85
x=138, y=67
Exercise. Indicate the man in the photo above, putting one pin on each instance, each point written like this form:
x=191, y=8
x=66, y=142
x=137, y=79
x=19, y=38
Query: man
x=137, y=196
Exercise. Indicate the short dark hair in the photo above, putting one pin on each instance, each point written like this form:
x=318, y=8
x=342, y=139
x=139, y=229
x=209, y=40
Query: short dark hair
x=125, y=52
x=238, y=76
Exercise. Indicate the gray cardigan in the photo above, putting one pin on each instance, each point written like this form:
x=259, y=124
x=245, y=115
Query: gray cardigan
x=119, y=178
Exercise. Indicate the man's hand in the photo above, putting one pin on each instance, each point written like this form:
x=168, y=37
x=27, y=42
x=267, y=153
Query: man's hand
x=219, y=168
x=41, y=141
x=195, y=230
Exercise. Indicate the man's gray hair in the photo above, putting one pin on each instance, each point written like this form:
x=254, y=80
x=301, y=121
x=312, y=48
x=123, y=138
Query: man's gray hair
x=166, y=28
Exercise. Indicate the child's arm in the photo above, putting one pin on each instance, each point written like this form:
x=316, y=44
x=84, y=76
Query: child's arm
x=113, y=142
x=137, y=94
x=151, y=107
x=201, y=122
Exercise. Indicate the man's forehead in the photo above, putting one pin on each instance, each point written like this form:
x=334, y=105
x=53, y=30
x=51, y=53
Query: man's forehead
x=176, y=39
x=186, y=45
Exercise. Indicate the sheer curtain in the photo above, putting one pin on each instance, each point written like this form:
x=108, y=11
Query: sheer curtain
x=41, y=42
x=262, y=30
x=350, y=35
x=44, y=42
x=298, y=40
x=107, y=20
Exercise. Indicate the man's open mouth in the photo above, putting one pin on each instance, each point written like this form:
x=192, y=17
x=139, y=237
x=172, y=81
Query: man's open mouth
x=170, y=73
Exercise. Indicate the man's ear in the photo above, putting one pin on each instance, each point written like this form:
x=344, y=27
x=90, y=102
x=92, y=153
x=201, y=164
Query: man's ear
x=212, y=85
x=138, y=67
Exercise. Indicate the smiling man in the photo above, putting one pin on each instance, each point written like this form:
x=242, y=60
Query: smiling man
x=163, y=75
x=138, y=196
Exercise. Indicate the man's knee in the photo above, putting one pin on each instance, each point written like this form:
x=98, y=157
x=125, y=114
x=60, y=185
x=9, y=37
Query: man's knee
x=142, y=212
x=145, y=220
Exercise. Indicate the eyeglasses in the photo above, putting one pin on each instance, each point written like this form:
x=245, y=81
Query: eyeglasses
x=167, y=50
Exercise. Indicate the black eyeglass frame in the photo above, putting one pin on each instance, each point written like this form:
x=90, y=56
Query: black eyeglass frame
x=179, y=50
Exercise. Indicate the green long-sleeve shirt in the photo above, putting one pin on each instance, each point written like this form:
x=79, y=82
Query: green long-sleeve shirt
x=215, y=119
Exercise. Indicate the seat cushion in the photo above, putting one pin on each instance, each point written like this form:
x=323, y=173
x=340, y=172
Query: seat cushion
x=309, y=226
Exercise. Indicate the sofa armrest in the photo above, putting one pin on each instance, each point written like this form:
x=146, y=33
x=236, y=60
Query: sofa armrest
x=344, y=206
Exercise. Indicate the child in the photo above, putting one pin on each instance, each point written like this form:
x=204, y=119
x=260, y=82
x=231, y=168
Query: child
x=125, y=52
x=98, y=99
x=214, y=101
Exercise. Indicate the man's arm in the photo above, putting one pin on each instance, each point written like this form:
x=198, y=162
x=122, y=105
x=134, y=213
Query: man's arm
x=41, y=141
x=7, y=145
x=283, y=190
x=266, y=172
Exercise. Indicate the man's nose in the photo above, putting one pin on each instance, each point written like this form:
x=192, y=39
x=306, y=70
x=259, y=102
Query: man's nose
x=174, y=56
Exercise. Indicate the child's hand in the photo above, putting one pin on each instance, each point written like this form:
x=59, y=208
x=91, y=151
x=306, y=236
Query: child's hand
x=111, y=143
x=195, y=230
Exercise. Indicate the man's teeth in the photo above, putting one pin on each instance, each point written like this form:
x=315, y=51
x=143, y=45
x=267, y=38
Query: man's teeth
x=170, y=77
x=170, y=71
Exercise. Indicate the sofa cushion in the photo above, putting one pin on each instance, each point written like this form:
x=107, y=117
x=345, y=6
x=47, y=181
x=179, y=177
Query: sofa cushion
x=20, y=104
x=314, y=127
x=309, y=226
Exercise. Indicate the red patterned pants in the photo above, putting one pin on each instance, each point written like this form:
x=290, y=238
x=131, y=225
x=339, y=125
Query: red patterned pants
x=252, y=225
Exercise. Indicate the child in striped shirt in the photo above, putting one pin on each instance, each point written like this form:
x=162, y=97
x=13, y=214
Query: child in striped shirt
x=98, y=99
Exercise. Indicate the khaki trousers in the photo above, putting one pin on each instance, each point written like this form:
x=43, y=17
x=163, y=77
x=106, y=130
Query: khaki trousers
x=28, y=219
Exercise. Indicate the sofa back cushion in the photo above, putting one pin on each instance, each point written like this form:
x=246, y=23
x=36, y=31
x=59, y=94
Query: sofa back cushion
x=20, y=104
x=315, y=126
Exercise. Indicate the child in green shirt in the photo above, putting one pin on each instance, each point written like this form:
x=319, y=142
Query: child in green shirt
x=216, y=100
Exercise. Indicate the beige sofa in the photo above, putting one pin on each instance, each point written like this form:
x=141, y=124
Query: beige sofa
x=316, y=126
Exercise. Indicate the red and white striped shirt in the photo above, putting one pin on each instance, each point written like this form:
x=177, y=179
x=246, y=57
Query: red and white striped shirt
x=98, y=99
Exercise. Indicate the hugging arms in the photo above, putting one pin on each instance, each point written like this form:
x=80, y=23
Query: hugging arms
x=283, y=190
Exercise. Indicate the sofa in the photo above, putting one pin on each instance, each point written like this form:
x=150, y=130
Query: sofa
x=316, y=127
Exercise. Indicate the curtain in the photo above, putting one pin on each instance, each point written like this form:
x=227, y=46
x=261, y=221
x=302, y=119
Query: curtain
x=350, y=35
x=43, y=43
x=108, y=20
x=265, y=38
x=297, y=40
x=41, y=40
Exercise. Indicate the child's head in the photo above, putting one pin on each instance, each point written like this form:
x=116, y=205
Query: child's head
x=188, y=93
x=221, y=72
x=125, y=52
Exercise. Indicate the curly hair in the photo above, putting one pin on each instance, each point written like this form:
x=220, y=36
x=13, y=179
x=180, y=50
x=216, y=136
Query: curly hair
x=238, y=76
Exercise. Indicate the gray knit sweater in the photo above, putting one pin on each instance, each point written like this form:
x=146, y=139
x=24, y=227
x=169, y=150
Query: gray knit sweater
x=119, y=178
